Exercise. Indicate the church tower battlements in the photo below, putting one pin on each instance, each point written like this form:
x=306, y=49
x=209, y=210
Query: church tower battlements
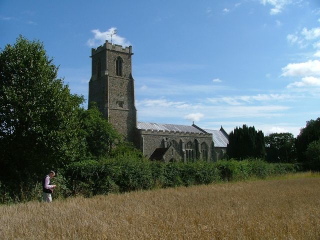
x=111, y=87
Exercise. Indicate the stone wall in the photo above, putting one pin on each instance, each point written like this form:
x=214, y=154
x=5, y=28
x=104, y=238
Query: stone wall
x=150, y=140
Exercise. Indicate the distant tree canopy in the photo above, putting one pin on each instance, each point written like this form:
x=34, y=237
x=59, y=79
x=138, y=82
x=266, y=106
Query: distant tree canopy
x=280, y=147
x=309, y=134
x=246, y=142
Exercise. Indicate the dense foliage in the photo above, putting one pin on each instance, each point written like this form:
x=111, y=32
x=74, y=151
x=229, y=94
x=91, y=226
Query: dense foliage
x=280, y=147
x=98, y=133
x=42, y=125
x=313, y=156
x=307, y=135
x=246, y=142
x=39, y=126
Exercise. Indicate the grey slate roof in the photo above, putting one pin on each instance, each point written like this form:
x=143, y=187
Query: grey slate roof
x=219, y=139
x=168, y=127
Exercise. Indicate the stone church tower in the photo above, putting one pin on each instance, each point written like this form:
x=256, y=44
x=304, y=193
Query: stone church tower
x=112, y=87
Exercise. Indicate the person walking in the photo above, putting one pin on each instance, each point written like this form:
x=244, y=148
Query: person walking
x=47, y=188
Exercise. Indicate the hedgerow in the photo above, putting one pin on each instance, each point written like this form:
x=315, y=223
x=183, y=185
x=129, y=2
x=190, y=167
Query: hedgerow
x=125, y=173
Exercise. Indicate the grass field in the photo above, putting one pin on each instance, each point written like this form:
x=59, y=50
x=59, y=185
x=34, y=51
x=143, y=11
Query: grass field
x=284, y=208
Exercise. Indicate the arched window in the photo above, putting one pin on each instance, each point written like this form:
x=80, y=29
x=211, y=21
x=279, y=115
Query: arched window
x=119, y=66
x=204, y=151
x=189, y=151
x=165, y=142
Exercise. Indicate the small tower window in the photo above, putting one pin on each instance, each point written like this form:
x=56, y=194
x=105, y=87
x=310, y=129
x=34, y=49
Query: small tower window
x=119, y=66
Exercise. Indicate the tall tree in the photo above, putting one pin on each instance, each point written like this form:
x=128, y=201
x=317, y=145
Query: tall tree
x=39, y=122
x=246, y=142
x=313, y=156
x=280, y=147
x=306, y=136
x=100, y=136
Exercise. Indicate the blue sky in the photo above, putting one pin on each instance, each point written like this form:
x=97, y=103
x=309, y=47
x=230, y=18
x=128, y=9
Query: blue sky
x=217, y=63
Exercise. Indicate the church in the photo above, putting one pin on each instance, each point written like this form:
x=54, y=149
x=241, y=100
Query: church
x=111, y=87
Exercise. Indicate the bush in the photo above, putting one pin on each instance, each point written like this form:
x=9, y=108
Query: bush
x=241, y=170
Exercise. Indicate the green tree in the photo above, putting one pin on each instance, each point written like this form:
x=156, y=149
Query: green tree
x=246, y=142
x=280, y=147
x=306, y=136
x=39, y=121
x=100, y=136
x=313, y=156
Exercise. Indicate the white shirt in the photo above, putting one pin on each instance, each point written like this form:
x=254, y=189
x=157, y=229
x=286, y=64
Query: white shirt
x=47, y=183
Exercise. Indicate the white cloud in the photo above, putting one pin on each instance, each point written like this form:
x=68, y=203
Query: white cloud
x=241, y=100
x=231, y=101
x=317, y=54
x=31, y=22
x=280, y=128
x=306, y=82
x=278, y=23
x=111, y=35
x=276, y=5
x=316, y=45
x=144, y=88
x=305, y=37
x=194, y=116
x=216, y=80
x=5, y=18
x=297, y=39
x=309, y=68
x=169, y=110
x=209, y=12
x=311, y=34
x=226, y=10
x=161, y=103
x=277, y=130
x=292, y=38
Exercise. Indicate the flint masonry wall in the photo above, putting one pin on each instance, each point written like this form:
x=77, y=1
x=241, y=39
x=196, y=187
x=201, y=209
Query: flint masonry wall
x=150, y=140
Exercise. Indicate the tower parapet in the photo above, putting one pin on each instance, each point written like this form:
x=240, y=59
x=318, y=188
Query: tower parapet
x=112, y=47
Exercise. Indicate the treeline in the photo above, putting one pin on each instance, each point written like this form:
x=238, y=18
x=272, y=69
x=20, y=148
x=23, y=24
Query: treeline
x=43, y=127
x=247, y=142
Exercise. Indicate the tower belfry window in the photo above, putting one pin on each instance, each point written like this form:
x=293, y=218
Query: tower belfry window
x=119, y=66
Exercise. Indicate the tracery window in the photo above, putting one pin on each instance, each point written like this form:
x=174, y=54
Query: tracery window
x=189, y=151
x=119, y=62
x=204, y=151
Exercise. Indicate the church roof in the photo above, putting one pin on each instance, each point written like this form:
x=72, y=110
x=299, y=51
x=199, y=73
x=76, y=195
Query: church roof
x=168, y=127
x=219, y=138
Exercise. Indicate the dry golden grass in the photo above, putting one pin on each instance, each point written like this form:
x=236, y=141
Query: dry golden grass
x=270, y=209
